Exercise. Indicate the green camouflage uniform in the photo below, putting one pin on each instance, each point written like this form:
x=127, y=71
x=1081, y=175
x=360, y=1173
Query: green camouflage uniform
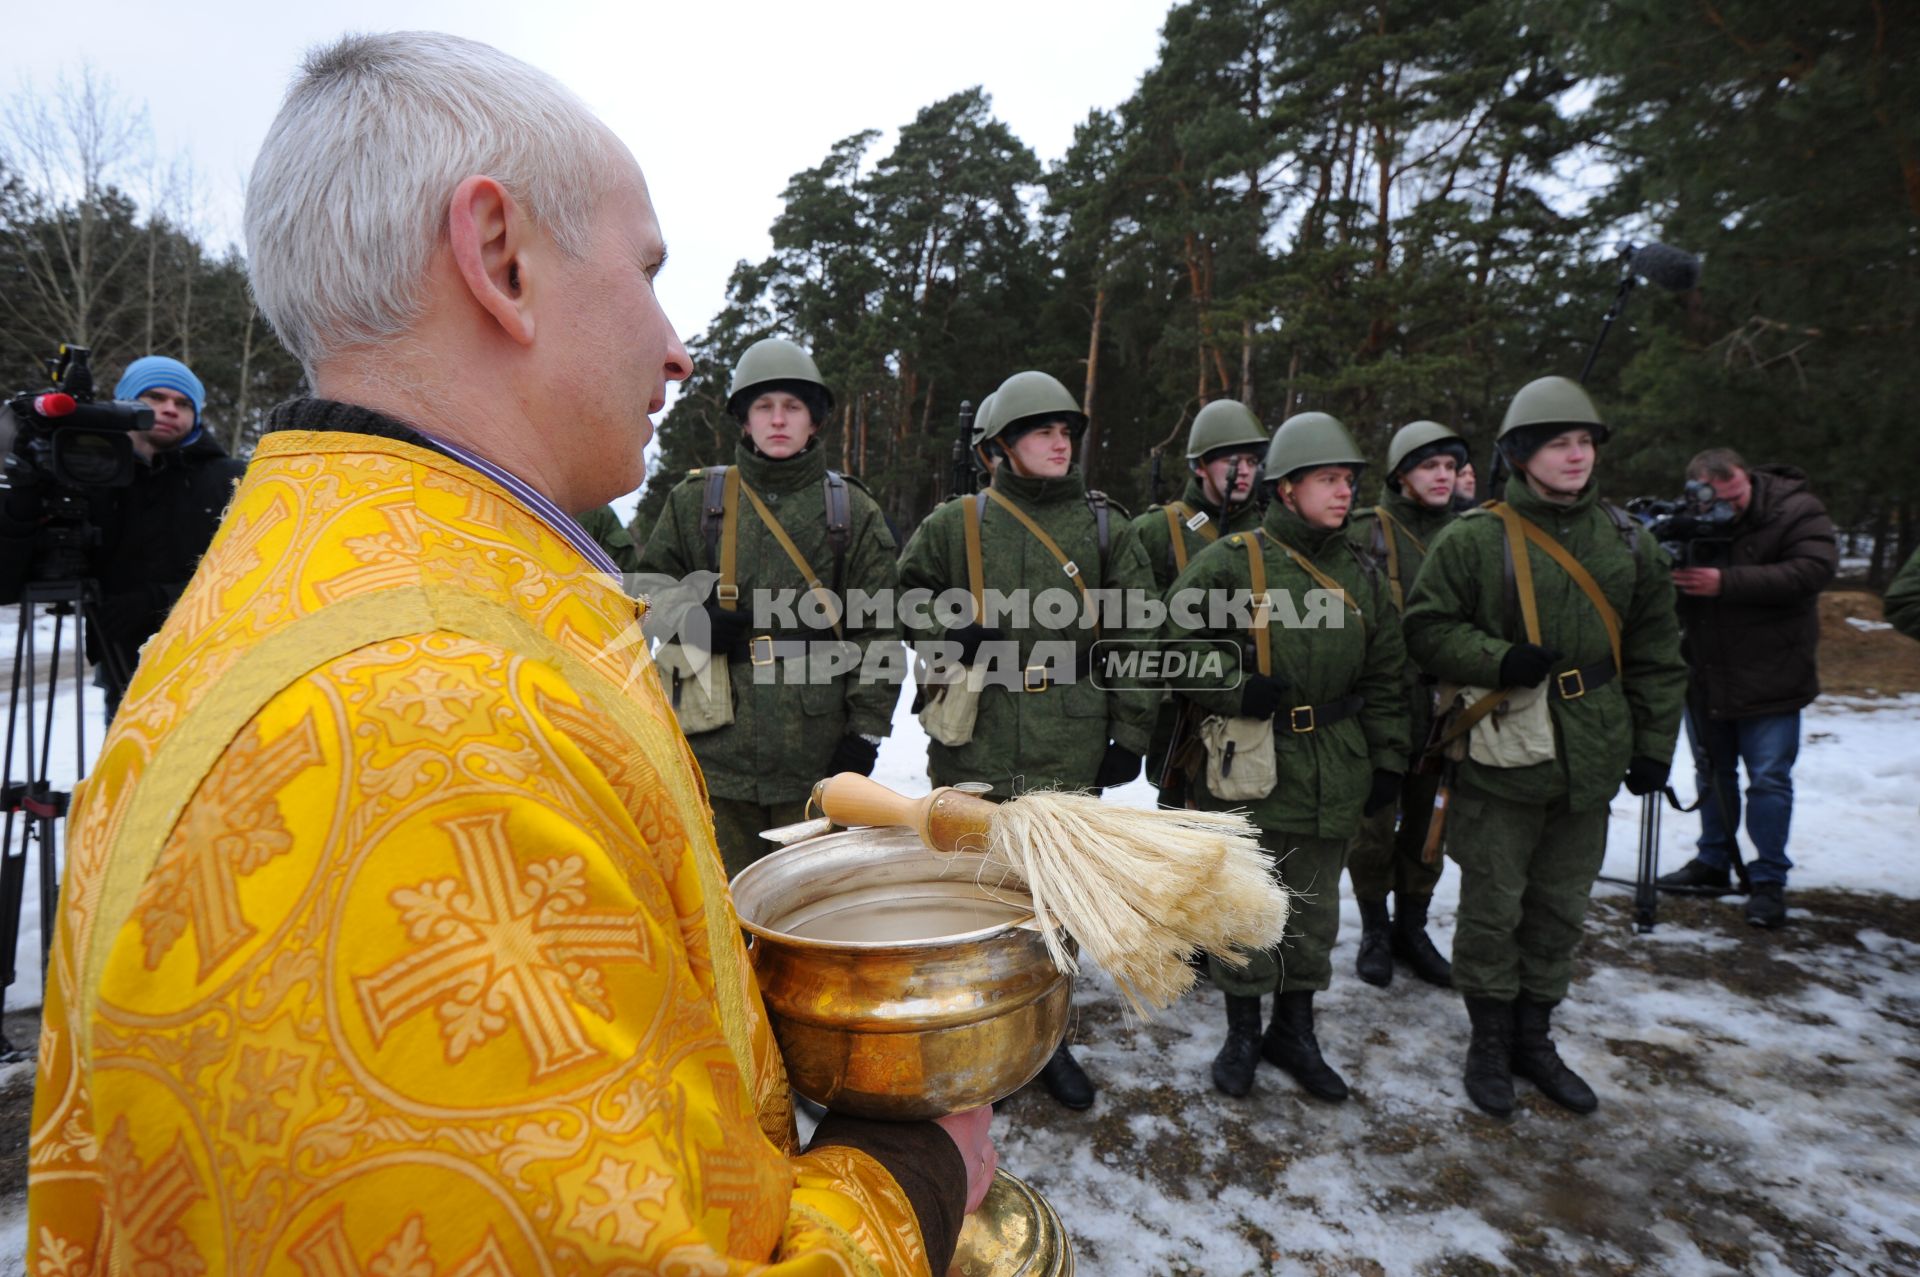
x=1529, y=840
x=604, y=526
x=1054, y=738
x=1307, y=820
x=761, y=768
x=1156, y=538
x=1903, y=599
x=1385, y=858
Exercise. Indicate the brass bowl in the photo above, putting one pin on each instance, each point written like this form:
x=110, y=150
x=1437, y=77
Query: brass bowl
x=897, y=1027
x=1015, y=1233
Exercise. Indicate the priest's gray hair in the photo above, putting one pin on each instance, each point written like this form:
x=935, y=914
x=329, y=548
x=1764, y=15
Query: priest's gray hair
x=349, y=196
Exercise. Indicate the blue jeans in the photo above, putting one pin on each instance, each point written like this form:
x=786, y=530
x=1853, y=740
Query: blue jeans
x=1767, y=745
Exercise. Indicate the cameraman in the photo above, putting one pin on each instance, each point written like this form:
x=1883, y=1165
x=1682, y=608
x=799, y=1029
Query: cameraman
x=1751, y=626
x=151, y=533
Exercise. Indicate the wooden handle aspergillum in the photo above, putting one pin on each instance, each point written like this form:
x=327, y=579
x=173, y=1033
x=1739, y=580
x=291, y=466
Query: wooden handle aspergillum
x=946, y=820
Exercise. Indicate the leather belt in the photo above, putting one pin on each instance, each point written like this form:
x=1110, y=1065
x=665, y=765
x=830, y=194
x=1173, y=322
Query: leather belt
x=1302, y=719
x=765, y=649
x=1571, y=685
x=1039, y=677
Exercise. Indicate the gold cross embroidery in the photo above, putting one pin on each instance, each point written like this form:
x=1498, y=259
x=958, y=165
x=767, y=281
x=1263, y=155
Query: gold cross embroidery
x=230, y=829
x=151, y=1199
x=504, y=941
x=327, y=1251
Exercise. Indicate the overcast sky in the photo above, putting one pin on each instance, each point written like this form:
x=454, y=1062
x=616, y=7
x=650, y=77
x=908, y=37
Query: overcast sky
x=720, y=102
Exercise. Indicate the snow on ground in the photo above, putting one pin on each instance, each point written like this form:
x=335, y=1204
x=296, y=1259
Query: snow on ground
x=1759, y=1102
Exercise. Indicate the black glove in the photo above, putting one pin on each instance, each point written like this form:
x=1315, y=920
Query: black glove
x=853, y=754
x=1526, y=665
x=1386, y=788
x=1646, y=776
x=1117, y=768
x=970, y=637
x=1262, y=695
x=726, y=630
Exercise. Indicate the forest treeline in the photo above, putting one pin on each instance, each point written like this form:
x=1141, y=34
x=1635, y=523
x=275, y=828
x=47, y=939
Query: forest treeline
x=1384, y=210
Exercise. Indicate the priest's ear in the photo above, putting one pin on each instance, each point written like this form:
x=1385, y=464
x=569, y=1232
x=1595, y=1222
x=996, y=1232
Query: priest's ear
x=495, y=248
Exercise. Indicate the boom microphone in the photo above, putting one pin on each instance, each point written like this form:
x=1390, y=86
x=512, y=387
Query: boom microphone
x=1673, y=269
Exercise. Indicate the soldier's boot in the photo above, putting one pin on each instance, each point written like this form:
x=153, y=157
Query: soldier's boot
x=1535, y=1058
x=1066, y=1081
x=1698, y=875
x=1234, y=1067
x=1489, y=1075
x=1767, y=906
x=1290, y=1043
x=1375, y=963
x=1410, y=942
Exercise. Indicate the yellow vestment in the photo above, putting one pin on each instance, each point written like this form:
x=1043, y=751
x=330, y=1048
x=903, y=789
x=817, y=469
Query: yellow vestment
x=393, y=937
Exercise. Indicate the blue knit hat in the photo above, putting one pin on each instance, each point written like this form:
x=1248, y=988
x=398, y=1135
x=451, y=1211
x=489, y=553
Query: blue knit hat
x=157, y=372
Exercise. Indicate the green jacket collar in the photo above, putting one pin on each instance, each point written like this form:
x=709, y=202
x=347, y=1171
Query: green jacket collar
x=1071, y=486
x=1284, y=525
x=1521, y=496
x=764, y=474
x=1196, y=498
x=1418, y=519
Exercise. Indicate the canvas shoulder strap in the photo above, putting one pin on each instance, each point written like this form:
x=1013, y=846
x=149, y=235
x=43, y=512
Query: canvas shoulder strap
x=839, y=526
x=1326, y=582
x=1383, y=529
x=1625, y=524
x=814, y=585
x=1102, y=514
x=974, y=507
x=1176, y=542
x=1067, y=565
x=1521, y=530
x=1262, y=605
x=713, y=510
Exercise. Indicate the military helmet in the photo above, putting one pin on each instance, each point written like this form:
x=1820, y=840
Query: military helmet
x=1416, y=435
x=1027, y=395
x=1224, y=423
x=1551, y=401
x=771, y=360
x=1309, y=439
x=982, y=420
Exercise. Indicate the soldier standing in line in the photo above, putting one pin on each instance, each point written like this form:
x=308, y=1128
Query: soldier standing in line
x=1224, y=450
x=1038, y=537
x=1422, y=462
x=778, y=520
x=1558, y=590
x=1327, y=708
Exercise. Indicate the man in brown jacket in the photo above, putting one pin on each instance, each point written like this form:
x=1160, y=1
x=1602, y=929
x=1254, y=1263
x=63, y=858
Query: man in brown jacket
x=1748, y=605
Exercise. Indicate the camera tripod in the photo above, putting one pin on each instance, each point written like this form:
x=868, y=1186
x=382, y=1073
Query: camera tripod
x=33, y=802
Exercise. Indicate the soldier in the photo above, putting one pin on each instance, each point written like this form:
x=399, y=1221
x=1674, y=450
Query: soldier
x=779, y=520
x=1327, y=709
x=1224, y=449
x=1040, y=721
x=983, y=462
x=1585, y=612
x=1422, y=462
x=602, y=523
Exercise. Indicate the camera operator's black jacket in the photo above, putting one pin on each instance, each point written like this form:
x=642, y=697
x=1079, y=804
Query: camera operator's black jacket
x=1751, y=650
x=152, y=534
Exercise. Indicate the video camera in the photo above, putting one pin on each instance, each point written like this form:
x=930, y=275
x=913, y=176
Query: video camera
x=1696, y=530
x=63, y=435
x=68, y=446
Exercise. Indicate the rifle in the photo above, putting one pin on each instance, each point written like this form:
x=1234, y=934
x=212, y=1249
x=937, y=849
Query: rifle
x=964, y=473
x=1153, y=475
x=1172, y=781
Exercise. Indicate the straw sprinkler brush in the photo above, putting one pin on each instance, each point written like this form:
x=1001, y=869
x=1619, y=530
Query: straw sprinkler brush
x=1138, y=890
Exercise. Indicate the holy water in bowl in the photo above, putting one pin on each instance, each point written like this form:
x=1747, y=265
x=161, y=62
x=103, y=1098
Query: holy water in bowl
x=905, y=912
